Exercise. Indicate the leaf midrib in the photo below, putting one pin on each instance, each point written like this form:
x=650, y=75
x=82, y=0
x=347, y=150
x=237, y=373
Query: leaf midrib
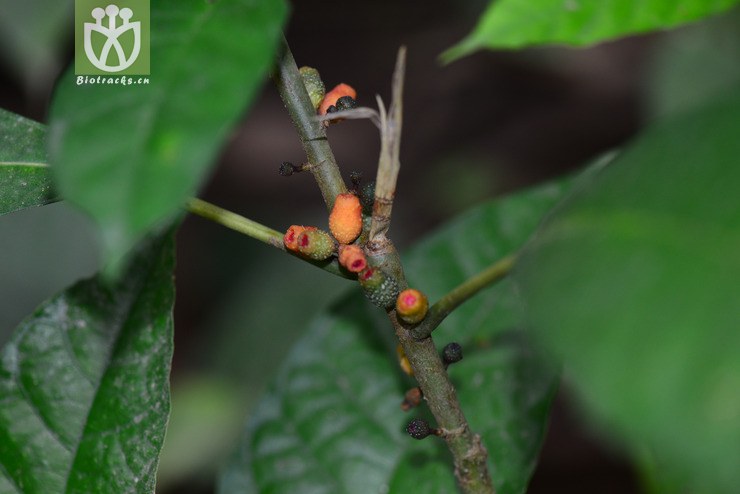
x=137, y=294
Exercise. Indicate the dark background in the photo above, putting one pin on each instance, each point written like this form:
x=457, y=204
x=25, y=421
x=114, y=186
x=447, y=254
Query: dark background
x=478, y=128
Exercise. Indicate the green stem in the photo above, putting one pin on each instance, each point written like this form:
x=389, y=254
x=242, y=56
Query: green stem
x=468, y=453
x=444, y=306
x=255, y=230
x=311, y=132
x=236, y=222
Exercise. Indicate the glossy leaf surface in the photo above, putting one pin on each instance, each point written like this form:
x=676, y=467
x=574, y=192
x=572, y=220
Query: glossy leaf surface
x=25, y=179
x=84, y=385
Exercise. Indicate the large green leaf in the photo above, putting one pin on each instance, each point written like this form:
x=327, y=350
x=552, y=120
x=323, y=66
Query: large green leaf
x=517, y=23
x=332, y=421
x=634, y=283
x=25, y=179
x=691, y=66
x=84, y=385
x=130, y=155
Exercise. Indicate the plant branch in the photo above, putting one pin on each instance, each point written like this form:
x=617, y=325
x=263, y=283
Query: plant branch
x=389, y=162
x=255, y=230
x=236, y=222
x=468, y=453
x=444, y=306
x=379, y=248
x=311, y=132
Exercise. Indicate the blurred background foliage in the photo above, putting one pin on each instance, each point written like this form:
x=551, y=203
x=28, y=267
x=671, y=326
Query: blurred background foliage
x=474, y=129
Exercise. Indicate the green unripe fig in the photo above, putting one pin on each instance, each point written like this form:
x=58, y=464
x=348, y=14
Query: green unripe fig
x=316, y=244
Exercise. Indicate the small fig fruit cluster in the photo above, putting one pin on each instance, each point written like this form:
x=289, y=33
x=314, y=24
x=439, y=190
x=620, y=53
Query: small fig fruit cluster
x=345, y=226
x=341, y=97
x=349, y=221
x=309, y=241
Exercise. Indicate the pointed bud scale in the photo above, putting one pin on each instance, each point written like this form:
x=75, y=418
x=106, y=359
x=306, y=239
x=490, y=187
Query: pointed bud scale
x=315, y=244
x=345, y=220
x=411, y=306
x=290, y=239
x=352, y=258
x=314, y=85
x=332, y=96
x=382, y=290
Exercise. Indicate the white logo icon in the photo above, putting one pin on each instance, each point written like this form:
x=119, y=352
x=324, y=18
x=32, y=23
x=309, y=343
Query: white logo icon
x=112, y=32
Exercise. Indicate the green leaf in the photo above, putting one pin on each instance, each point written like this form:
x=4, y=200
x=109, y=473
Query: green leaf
x=332, y=421
x=131, y=155
x=634, y=283
x=25, y=179
x=84, y=385
x=516, y=23
x=691, y=66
